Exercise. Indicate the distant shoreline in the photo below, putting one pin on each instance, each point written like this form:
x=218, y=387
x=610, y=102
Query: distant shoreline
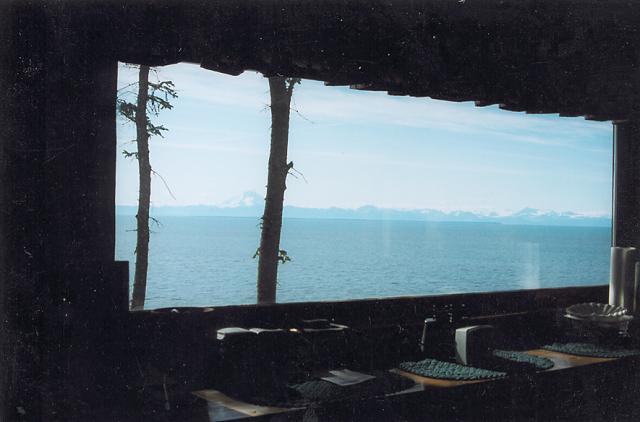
x=600, y=223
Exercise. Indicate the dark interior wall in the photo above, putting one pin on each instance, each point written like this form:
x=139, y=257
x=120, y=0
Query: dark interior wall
x=183, y=343
x=57, y=170
x=22, y=154
x=80, y=142
x=6, y=369
x=79, y=310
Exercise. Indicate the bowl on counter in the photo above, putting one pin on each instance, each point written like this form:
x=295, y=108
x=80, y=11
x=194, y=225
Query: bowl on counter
x=598, y=319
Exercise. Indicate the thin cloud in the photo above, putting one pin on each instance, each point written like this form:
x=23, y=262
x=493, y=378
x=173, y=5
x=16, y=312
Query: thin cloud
x=377, y=108
x=378, y=160
x=225, y=115
x=248, y=90
x=214, y=148
x=331, y=105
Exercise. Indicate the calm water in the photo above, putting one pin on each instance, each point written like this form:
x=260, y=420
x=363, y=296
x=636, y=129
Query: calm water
x=198, y=261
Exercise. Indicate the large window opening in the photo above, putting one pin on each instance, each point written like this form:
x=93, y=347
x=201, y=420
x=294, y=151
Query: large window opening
x=392, y=196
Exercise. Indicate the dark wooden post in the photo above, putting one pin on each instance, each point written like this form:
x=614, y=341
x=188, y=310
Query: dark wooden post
x=22, y=74
x=79, y=321
x=57, y=222
x=626, y=184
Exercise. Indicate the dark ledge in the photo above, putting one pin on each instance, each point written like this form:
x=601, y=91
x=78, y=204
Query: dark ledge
x=382, y=311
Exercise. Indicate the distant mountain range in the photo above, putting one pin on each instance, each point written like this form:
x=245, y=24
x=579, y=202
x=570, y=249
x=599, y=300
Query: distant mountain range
x=252, y=205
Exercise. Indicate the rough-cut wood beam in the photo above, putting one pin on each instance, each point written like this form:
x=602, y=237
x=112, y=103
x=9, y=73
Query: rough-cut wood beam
x=599, y=117
x=481, y=103
x=512, y=107
x=544, y=55
x=368, y=87
x=452, y=98
x=541, y=112
x=334, y=82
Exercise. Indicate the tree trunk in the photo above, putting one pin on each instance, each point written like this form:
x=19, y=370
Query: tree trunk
x=144, y=195
x=276, y=185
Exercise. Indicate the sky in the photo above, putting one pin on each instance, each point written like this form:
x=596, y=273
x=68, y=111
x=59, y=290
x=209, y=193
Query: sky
x=358, y=148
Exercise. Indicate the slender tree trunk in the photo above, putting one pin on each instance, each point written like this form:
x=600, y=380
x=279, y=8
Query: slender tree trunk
x=276, y=185
x=144, y=196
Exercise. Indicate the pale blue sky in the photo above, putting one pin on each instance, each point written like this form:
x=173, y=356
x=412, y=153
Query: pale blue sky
x=356, y=148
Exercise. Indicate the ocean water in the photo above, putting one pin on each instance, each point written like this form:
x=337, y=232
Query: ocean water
x=202, y=261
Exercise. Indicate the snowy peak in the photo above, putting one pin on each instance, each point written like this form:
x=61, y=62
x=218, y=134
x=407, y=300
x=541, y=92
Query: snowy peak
x=536, y=213
x=247, y=199
x=251, y=204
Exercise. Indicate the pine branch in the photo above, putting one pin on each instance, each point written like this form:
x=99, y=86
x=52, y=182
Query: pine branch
x=295, y=173
x=166, y=185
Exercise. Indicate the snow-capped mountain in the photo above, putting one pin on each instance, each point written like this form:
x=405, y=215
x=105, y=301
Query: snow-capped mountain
x=251, y=204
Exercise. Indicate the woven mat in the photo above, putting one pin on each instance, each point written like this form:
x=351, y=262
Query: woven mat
x=451, y=371
x=384, y=383
x=591, y=350
x=520, y=357
x=317, y=390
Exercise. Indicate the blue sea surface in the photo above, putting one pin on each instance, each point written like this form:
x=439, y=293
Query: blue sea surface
x=207, y=261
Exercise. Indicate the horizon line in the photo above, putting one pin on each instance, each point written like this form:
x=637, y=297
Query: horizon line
x=497, y=213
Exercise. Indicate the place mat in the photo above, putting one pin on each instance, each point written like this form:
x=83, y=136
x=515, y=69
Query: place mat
x=383, y=383
x=591, y=350
x=319, y=390
x=451, y=371
x=346, y=377
x=521, y=357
